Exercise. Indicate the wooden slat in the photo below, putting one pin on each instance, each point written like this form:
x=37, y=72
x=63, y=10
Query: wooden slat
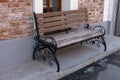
x=49, y=14
x=76, y=39
x=40, y=21
x=74, y=12
x=74, y=33
x=76, y=20
x=70, y=12
x=77, y=24
x=49, y=19
x=50, y=24
x=55, y=28
x=61, y=19
x=78, y=15
x=81, y=10
x=56, y=13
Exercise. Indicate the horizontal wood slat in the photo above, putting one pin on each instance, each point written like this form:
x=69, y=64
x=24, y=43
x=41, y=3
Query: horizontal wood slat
x=77, y=24
x=76, y=20
x=62, y=19
x=63, y=43
x=50, y=14
x=51, y=24
x=57, y=18
x=79, y=15
x=55, y=28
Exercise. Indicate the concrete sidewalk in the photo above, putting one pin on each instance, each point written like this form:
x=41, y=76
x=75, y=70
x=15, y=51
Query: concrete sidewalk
x=71, y=59
x=105, y=69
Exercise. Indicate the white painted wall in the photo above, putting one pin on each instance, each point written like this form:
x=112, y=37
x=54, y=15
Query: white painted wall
x=74, y=4
x=114, y=16
x=110, y=13
x=108, y=10
x=38, y=6
x=69, y=5
x=66, y=5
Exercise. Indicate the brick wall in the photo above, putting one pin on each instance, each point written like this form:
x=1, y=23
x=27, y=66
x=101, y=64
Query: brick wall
x=15, y=14
x=14, y=18
x=95, y=9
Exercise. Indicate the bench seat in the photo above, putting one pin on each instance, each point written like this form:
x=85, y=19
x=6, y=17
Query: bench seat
x=74, y=36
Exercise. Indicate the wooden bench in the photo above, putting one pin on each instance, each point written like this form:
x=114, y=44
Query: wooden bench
x=59, y=29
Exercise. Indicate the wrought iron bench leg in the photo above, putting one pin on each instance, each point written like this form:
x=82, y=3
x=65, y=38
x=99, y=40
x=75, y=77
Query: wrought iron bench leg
x=53, y=49
x=34, y=51
x=104, y=43
x=55, y=59
x=49, y=54
x=33, y=57
x=57, y=62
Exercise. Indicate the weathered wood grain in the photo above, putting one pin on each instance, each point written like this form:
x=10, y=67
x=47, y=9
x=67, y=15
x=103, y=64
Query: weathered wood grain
x=65, y=19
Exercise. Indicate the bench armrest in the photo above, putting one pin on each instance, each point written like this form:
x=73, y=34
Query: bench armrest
x=97, y=28
x=50, y=40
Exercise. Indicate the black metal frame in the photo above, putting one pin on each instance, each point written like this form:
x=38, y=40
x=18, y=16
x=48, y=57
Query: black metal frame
x=45, y=47
x=96, y=40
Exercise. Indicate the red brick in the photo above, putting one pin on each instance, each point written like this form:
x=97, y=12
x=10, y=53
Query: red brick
x=14, y=19
x=15, y=14
x=95, y=9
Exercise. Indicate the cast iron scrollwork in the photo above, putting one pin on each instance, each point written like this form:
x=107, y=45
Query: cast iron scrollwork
x=45, y=49
x=97, y=40
x=97, y=28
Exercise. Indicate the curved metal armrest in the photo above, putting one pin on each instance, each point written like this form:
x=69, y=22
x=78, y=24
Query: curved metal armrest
x=50, y=40
x=97, y=28
x=100, y=29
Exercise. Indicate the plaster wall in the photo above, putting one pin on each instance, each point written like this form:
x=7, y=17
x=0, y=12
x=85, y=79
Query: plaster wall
x=110, y=13
x=38, y=6
x=117, y=31
x=64, y=6
x=108, y=10
x=74, y=4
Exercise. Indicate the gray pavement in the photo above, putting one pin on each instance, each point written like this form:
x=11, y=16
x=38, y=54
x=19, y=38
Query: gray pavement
x=105, y=69
x=111, y=73
x=71, y=59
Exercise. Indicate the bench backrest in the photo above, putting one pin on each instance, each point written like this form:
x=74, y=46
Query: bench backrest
x=52, y=21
